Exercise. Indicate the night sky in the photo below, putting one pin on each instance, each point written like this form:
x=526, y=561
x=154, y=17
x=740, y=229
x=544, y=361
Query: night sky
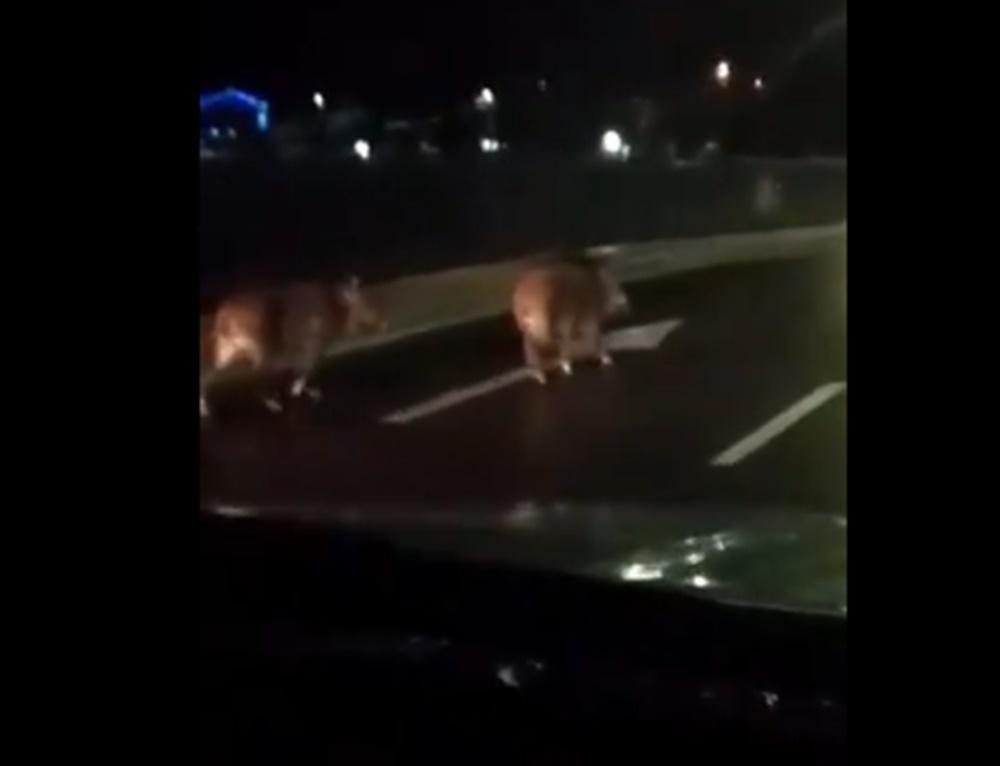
x=417, y=55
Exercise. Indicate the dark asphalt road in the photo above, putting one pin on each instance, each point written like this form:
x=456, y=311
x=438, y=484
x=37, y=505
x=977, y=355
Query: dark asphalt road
x=755, y=340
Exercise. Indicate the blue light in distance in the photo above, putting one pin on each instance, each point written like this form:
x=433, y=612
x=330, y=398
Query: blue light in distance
x=238, y=98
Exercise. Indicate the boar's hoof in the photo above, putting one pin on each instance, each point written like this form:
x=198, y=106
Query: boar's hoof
x=313, y=393
x=272, y=404
x=203, y=406
x=566, y=366
x=539, y=376
x=606, y=360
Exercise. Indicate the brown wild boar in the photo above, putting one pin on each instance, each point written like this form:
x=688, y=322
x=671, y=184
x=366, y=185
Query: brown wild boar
x=560, y=308
x=285, y=328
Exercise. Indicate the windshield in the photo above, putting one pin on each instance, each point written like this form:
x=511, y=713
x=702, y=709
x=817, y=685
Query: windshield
x=561, y=286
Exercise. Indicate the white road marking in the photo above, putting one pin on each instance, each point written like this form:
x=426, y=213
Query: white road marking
x=457, y=396
x=644, y=338
x=777, y=425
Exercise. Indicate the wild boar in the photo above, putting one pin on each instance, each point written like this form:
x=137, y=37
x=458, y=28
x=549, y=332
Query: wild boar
x=284, y=328
x=560, y=309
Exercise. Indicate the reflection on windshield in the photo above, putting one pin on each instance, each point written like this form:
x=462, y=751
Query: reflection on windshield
x=755, y=560
x=784, y=559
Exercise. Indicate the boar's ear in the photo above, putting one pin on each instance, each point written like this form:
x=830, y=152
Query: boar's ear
x=349, y=288
x=350, y=284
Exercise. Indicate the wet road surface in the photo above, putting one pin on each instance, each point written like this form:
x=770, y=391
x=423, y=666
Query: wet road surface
x=754, y=367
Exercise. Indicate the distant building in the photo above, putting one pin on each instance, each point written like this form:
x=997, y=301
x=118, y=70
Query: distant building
x=231, y=113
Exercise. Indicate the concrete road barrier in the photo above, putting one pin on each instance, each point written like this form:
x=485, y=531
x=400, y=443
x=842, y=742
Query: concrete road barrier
x=430, y=302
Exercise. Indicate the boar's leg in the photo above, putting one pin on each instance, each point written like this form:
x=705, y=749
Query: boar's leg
x=594, y=343
x=226, y=352
x=272, y=403
x=203, y=394
x=254, y=354
x=301, y=386
x=306, y=365
x=534, y=359
x=565, y=336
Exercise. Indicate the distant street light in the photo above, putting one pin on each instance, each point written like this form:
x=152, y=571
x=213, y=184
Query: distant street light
x=758, y=83
x=318, y=100
x=363, y=149
x=611, y=142
x=722, y=73
x=485, y=99
x=489, y=145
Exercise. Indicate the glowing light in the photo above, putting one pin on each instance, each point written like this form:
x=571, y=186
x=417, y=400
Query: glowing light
x=489, y=145
x=758, y=83
x=231, y=132
x=626, y=151
x=508, y=677
x=693, y=559
x=723, y=72
x=641, y=572
x=770, y=699
x=524, y=514
x=543, y=85
x=233, y=96
x=232, y=511
x=514, y=675
x=485, y=99
x=611, y=142
x=318, y=100
x=362, y=149
x=700, y=581
x=214, y=132
x=239, y=99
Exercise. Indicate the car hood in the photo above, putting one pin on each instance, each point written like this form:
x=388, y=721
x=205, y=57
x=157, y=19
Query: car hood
x=763, y=557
